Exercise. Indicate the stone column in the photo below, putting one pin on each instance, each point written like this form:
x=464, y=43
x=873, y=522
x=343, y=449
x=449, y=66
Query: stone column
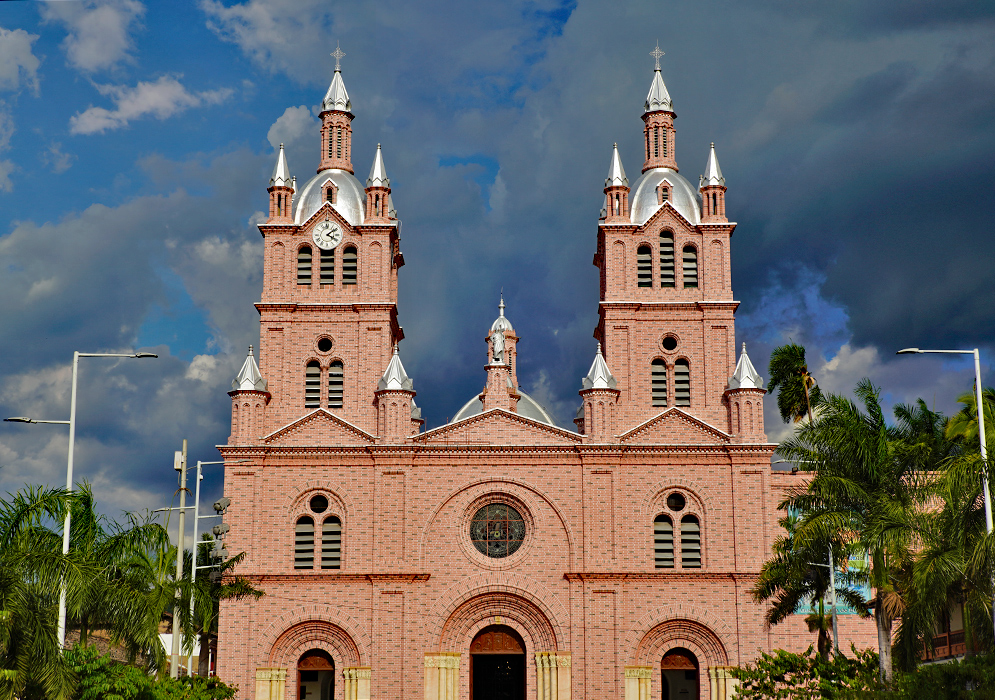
x=271, y=683
x=357, y=682
x=637, y=682
x=441, y=675
x=552, y=676
x=721, y=684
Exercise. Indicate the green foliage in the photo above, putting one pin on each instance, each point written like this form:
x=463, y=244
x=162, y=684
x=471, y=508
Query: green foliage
x=797, y=392
x=973, y=677
x=100, y=678
x=804, y=676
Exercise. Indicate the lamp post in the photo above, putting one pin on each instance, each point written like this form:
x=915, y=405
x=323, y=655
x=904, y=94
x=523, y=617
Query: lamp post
x=69, y=467
x=981, y=431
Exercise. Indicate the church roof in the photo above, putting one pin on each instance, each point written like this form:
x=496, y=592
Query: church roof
x=394, y=377
x=281, y=172
x=527, y=406
x=616, y=173
x=599, y=377
x=645, y=201
x=658, y=99
x=336, y=98
x=378, y=173
x=249, y=378
x=350, y=201
x=745, y=376
x=501, y=323
x=713, y=173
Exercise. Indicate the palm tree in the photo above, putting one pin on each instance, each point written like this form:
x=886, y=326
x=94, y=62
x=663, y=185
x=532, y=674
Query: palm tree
x=797, y=388
x=964, y=424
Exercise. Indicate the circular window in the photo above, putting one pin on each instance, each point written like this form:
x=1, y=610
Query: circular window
x=497, y=530
x=669, y=343
x=319, y=504
x=325, y=344
x=676, y=502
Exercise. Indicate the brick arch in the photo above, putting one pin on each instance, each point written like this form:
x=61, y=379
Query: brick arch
x=681, y=625
x=694, y=489
x=296, y=494
x=476, y=609
x=318, y=627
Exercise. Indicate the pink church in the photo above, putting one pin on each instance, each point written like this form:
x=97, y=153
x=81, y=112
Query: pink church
x=499, y=556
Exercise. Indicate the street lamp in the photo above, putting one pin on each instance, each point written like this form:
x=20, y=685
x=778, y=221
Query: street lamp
x=69, y=467
x=981, y=431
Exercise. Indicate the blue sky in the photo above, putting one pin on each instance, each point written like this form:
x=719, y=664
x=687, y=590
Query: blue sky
x=136, y=139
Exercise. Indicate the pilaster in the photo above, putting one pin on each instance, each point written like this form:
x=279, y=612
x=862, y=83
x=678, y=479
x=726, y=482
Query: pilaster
x=271, y=683
x=721, y=684
x=442, y=675
x=638, y=681
x=357, y=682
x=552, y=675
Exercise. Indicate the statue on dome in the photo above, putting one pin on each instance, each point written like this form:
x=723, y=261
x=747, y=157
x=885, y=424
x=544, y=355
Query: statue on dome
x=497, y=347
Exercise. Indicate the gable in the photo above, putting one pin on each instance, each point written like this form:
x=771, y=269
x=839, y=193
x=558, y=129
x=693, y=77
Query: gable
x=498, y=427
x=674, y=427
x=318, y=428
x=667, y=215
x=326, y=211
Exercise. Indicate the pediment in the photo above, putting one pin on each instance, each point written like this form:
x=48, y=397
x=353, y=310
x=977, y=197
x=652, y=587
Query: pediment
x=498, y=427
x=326, y=211
x=319, y=428
x=674, y=427
x=668, y=214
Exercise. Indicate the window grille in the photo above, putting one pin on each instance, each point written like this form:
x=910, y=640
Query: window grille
x=659, y=382
x=304, y=543
x=644, y=266
x=338, y=140
x=690, y=543
x=312, y=385
x=690, y=267
x=682, y=383
x=664, y=194
x=349, y=265
x=656, y=142
x=331, y=543
x=663, y=142
x=335, y=384
x=666, y=259
x=663, y=542
x=304, y=266
x=328, y=266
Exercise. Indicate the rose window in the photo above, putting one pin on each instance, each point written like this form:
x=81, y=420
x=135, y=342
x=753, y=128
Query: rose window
x=497, y=530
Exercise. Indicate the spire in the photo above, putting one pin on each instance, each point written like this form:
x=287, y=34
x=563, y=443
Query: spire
x=337, y=98
x=658, y=99
x=745, y=376
x=249, y=377
x=378, y=173
x=281, y=172
x=394, y=377
x=616, y=173
x=599, y=377
x=713, y=173
x=501, y=323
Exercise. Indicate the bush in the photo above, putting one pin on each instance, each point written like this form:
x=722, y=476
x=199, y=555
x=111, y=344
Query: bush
x=973, y=677
x=803, y=676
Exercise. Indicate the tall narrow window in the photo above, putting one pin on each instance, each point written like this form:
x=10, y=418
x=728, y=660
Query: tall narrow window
x=663, y=542
x=328, y=266
x=666, y=259
x=663, y=193
x=659, y=379
x=690, y=266
x=312, y=385
x=338, y=139
x=656, y=142
x=304, y=266
x=331, y=543
x=331, y=142
x=304, y=543
x=690, y=543
x=330, y=194
x=663, y=142
x=336, y=376
x=644, y=266
x=682, y=383
x=349, y=265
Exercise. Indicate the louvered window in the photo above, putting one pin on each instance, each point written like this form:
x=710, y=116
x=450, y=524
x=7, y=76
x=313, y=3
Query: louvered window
x=690, y=543
x=663, y=142
x=304, y=543
x=328, y=266
x=304, y=266
x=666, y=259
x=338, y=139
x=656, y=142
x=312, y=385
x=644, y=266
x=690, y=266
x=664, y=193
x=659, y=379
x=663, y=542
x=336, y=378
x=349, y=265
x=682, y=383
x=331, y=543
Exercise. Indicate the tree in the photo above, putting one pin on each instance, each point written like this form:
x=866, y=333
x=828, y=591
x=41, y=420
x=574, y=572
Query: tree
x=964, y=423
x=797, y=388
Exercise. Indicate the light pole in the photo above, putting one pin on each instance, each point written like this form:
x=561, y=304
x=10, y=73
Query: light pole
x=69, y=467
x=981, y=431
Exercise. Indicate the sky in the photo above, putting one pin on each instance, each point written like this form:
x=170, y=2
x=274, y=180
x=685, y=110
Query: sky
x=136, y=141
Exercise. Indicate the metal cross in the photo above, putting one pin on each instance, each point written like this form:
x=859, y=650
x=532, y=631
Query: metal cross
x=338, y=53
x=656, y=53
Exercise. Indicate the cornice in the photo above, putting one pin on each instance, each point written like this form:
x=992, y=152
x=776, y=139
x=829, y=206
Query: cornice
x=674, y=575
x=324, y=577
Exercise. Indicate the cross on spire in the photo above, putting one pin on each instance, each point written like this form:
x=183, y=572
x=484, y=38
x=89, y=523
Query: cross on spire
x=656, y=53
x=337, y=54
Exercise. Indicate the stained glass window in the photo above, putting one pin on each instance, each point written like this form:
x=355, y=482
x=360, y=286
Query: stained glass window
x=497, y=530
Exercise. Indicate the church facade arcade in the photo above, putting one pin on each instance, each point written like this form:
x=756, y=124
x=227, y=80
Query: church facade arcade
x=499, y=556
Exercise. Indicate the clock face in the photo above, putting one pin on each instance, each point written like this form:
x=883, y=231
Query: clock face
x=326, y=235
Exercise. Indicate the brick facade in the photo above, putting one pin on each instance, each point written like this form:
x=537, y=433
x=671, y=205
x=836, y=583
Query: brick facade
x=399, y=604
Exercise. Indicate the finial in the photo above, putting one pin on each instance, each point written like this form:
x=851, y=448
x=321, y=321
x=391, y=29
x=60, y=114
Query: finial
x=501, y=305
x=395, y=348
x=337, y=54
x=599, y=348
x=250, y=350
x=655, y=53
x=713, y=144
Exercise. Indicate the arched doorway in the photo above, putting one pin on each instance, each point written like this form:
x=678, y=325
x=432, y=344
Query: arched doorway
x=679, y=675
x=497, y=665
x=315, y=676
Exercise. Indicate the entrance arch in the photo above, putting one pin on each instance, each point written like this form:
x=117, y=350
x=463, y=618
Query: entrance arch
x=497, y=664
x=679, y=675
x=315, y=675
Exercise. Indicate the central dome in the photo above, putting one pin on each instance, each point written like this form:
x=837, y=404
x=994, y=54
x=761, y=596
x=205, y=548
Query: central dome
x=527, y=406
x=350, y=200
x=646, y=202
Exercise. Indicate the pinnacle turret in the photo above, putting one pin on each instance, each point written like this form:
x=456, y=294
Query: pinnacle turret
x=378, y=173
x=599, y=376
x=713, y=173
x=745, y=376
x=658, y=99
x=281, y=171
x=616, y=173
x=394, y=377
x=249, y=378
x=337, y=98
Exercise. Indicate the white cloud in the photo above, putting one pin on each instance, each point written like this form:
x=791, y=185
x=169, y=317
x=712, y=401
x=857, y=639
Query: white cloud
x=17, y=63
x=160, y=99
x=7, y=167
x=99, y=34
x=57, y=160
x=297, y=130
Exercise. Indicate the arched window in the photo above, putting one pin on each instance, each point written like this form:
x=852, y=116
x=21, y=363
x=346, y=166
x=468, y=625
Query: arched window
x=659, y=382
x=331, y=192
x=663, y=142
x=663, y=542
x=331, y=543
x=663, y=194
x=690, y=266
x=327, y=268
x=656, y=142
x=349, y=265
x=335, y=383
x=644, y=266
x=682, y=383
x=666, y=259
x=304, y=543
x=312, y=385
x=304, y=266
x=690, y=543
x=331, y=142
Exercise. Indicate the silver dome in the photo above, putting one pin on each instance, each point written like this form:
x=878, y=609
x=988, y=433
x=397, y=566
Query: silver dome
x=645, y=199
x=350, y=201
x=527, y=406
